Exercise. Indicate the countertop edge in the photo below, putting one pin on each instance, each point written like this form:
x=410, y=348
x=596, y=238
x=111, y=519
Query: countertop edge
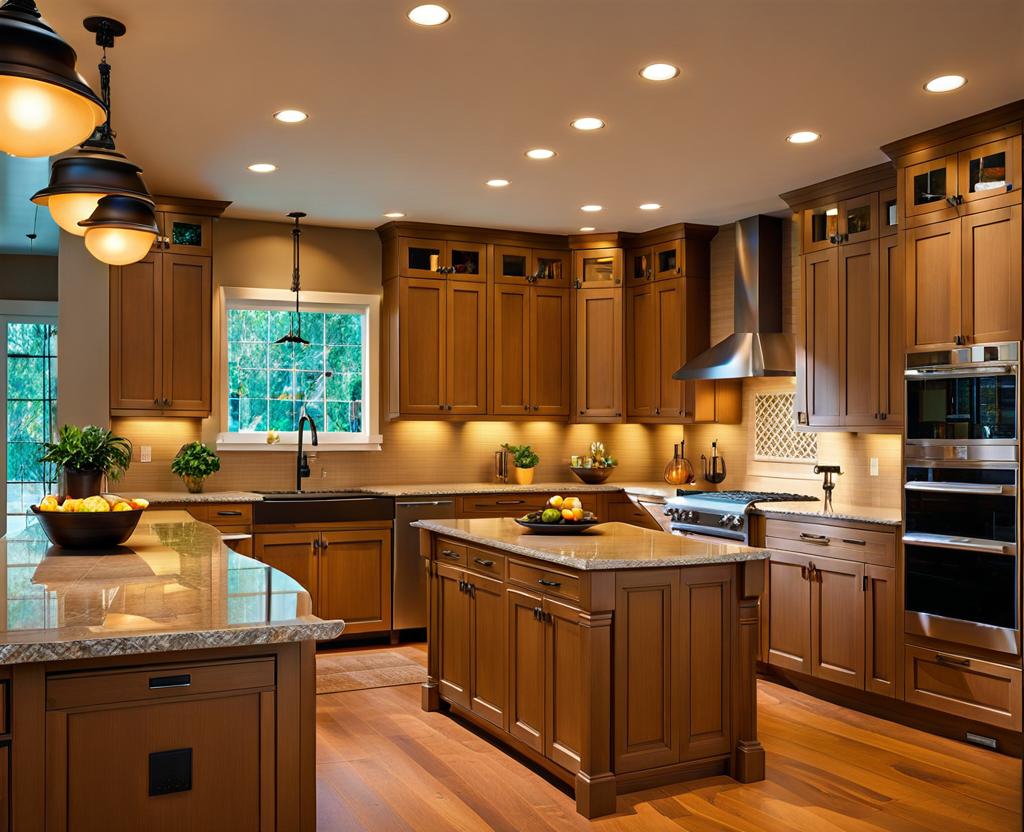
x=851, y=517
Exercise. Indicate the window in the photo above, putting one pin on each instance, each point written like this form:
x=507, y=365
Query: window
x=268, y=386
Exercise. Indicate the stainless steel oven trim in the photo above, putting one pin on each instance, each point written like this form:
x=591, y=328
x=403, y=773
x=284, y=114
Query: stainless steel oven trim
x=971, y=371
x=1000, y=639
x=1005, y=352
x=968, y=544
x=960, y=450
x=978, y=488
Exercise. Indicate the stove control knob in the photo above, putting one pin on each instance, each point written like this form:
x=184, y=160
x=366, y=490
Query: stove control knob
x=725, y=520
x=690, y=516
x=737, y=522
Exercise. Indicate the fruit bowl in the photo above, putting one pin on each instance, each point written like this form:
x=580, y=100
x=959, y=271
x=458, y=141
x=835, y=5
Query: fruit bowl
x=88, y=530
x=562, y=527
x=593, y=476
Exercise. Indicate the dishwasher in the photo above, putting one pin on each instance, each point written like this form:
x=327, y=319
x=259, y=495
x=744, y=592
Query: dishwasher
x=409, y=588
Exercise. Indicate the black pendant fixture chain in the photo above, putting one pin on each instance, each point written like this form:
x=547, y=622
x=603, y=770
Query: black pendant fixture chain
x=294, y=335
x=106, y=30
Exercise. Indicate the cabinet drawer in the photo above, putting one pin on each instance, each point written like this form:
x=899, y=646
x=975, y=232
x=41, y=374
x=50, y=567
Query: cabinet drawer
x=858, y=545
x=229, y=514
x=499, y=505
x=987, y=692
x=77, y=690
x=486, y=562
x=450, y=552
x=544, y=580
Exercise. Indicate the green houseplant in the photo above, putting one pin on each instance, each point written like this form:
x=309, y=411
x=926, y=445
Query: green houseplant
x=84, y=455
x=525, y=459
x=194, y=463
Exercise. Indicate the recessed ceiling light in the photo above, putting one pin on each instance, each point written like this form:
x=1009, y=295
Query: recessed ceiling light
x=587, y=228
x=945, y=83
x=498, y=183
x=659, y=72
x=588, y=123
x=429, y=14
x=590, y=209
x=262, y=167
x=394, y=215
x=540, y=153
x=802, y=137
x=291, y=116
x=650, y=206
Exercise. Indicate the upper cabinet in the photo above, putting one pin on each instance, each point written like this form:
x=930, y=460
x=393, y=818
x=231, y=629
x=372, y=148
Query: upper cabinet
x=161, y=317
x=598, y=268
x=442, y=258
x=515, y=265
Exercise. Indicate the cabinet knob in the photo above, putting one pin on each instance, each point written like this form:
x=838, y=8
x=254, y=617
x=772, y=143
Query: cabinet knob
x=167, y=402
x=449, y=407
x=526, y=407
x=440, y=407
x=536, y=407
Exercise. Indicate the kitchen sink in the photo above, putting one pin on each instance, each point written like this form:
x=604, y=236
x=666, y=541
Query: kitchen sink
x=285, y=507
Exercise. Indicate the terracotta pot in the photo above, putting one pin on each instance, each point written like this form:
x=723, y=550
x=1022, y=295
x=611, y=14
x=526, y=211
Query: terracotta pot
x=81, y=484
x=194, y=484
x=524, y=476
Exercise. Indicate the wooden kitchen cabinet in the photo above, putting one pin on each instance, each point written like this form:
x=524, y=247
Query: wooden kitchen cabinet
x=880, y=633
x=600, y=355
x=184, y=233
x=452, y=635
x=860, y=313
x=516, y=266
x=293, y=553
x=598, y=268
x=788, y=609
x=465, y=348
x=838, y=644
x=639, y=266
x=820, y=298
x=136, y=353
x=354, y=579
x=433, y=259
x=932, y=263
x=527, y=644
x=187, y=315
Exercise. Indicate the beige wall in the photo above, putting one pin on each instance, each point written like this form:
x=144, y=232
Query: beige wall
x=28, y=277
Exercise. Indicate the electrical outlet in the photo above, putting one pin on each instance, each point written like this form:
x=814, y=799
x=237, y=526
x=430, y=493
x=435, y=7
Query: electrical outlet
x=874, y=466
x=145, y=453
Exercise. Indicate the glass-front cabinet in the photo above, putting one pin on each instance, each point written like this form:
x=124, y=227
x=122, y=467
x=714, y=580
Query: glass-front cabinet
x=888, y=213
x=639, y=266
x=438, y=258
x=184, y=234
x=989, y=170
x=820, y=227
x=517, y=265
x=852, y=220
x=598, y=268
x=668, y=260
x=930, y=186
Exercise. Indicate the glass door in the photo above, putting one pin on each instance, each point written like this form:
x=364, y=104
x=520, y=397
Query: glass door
x=858, y=219
x=466, y=260
x=929, y=186
x=668, y=260
x=639, y=266
x=420, y=258
x=990, y=170
x=511, y=264
x=550, y=268
x=599, y=268
x=820, y=227
x=888, y=215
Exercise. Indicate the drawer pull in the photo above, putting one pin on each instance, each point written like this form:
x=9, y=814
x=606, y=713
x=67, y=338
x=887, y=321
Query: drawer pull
x=483, y=562
x=229, y=514
x=854, y=542
x=949, y=660
x=546, y=582
x=182, y=680
x=448, y=553
x=508, y=502
x=819, y=539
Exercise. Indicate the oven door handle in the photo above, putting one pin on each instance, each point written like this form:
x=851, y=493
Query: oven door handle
x=963, y=488
x=966, y=372
x=970, y=544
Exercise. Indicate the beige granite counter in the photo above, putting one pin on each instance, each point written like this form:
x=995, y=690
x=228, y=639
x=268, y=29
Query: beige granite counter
x=169, y=498
x=605, y=546
x=840, y=511
x=172, y=586
x=455, y=488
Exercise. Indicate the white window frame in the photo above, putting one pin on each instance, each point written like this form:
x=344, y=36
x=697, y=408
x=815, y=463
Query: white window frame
x=370, y=439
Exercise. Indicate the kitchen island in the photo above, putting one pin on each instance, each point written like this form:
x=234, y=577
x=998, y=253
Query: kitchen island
x=620, y=659
x=164, y=684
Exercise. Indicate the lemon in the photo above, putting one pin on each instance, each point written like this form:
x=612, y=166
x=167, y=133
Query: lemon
x=555, y=502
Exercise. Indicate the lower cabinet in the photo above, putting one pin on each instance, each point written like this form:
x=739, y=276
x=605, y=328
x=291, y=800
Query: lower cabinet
x=347, y=572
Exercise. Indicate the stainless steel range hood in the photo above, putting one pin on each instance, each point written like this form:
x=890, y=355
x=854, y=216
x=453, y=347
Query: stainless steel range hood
x=758, y=346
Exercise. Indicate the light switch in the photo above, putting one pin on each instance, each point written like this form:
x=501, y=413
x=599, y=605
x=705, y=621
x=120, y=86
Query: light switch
x=145, y=453
x=874, y=466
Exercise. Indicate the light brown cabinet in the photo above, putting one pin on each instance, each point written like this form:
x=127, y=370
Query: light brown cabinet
x=600, y=355
x=598, y=268
x=346, y=571
x=435, y=259
x=516, y=265
x=820, y=327
x=184, y=234
x=161, y=336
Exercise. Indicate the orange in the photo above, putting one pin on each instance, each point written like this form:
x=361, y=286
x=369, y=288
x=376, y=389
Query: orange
x=567, y=514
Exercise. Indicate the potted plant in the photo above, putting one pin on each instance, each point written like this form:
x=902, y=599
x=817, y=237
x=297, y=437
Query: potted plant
x=194, y=463
x=525, y=460
x=84, y=455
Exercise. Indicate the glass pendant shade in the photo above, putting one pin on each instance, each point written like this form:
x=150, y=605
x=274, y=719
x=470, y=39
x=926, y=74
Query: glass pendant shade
x=68, y=210
x=121, y=230
x=45, y=105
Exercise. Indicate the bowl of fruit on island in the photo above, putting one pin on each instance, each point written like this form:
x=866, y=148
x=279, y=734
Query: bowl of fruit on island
x=559, y=516
x=91, y=522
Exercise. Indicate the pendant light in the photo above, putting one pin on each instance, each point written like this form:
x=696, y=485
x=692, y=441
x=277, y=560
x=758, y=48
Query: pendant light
x=96, y=169
x=294, y=335
x=45, y=105
x=121, y=230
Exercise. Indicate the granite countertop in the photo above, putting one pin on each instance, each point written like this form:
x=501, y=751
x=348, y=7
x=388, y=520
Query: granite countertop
x=840, y=511
x=605, y=546
x=185, y=498
x=172, y=586
x=450, y=488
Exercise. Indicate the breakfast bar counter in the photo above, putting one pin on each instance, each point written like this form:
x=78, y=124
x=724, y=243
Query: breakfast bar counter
x=163, y=681
x=618, y=659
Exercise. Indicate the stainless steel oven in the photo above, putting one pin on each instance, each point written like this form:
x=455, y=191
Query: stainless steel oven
x=961, y=563
x=964, y=398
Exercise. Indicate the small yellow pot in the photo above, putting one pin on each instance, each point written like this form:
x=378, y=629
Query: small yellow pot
x=523, y=476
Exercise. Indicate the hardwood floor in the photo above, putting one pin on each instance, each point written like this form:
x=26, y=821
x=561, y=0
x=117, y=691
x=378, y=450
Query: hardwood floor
x=383, y=764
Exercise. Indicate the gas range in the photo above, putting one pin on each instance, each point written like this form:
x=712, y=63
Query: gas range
x=721, y=513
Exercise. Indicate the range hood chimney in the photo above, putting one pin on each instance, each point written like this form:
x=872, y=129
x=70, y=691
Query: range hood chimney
x=758, y=346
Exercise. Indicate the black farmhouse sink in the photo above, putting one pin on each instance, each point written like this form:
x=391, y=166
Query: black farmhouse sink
x=321, y=507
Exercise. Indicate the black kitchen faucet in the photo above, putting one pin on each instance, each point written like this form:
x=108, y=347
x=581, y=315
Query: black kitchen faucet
x=301, y=462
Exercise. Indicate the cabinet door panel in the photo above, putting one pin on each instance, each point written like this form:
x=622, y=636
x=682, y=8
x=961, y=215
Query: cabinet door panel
x=891, y=338
x=858, y=218
x=550, y=268
x=467, y=261
x=599, y=353
x=991, y=275
x=188, y=234
x=292, y=553
x=487, y=660
x=837, y=621
x=422, y=346
x=511, y=265
x=599, y=268
x=466, y=356
x=564, y=718
x=859, y=308
x=421, y=258
x=526, y=669
x=880, y=630
x=932, y=269
x=821, y=337
x=819, y=227
x=550, y=348
x=927, y=188
x=639, y=267
x=789, y=610
x=670, y=312
x=668, y=260
x=187, y=338
x=990, y=174
x=510, y=369
x=641, y=351
x=136, y=359
x=355, y=579
x=453, y=635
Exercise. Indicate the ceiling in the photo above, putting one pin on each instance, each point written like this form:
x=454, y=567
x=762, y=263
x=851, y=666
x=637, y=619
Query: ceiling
x=19, y=179
x=412, y=119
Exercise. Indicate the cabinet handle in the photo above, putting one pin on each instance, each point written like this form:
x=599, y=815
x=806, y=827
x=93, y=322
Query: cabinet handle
x=156, y=401
x=181, y=680
x=440, y=407
x=483, y=562
x=854, y=542
x=536, y=407
x=949, y=660
x=167, y=402
x=538, y=614
x=508, y=502
x=803, y=573
x=813, y=574
x=864, y=584
x=449, y=407
x=229, y=514
x=819, y=539
x=526, y=407
x=462, y=585
x=545, y=582
x=448, y=553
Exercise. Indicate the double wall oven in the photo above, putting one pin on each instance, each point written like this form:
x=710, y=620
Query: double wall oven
x=961, y=496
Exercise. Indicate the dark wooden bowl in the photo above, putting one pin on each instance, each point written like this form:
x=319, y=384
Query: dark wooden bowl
x=88, y=530
x=592, y=476
x=558, y=528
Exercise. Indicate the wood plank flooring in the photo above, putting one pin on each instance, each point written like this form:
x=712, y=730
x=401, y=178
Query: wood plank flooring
x=383, y=764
